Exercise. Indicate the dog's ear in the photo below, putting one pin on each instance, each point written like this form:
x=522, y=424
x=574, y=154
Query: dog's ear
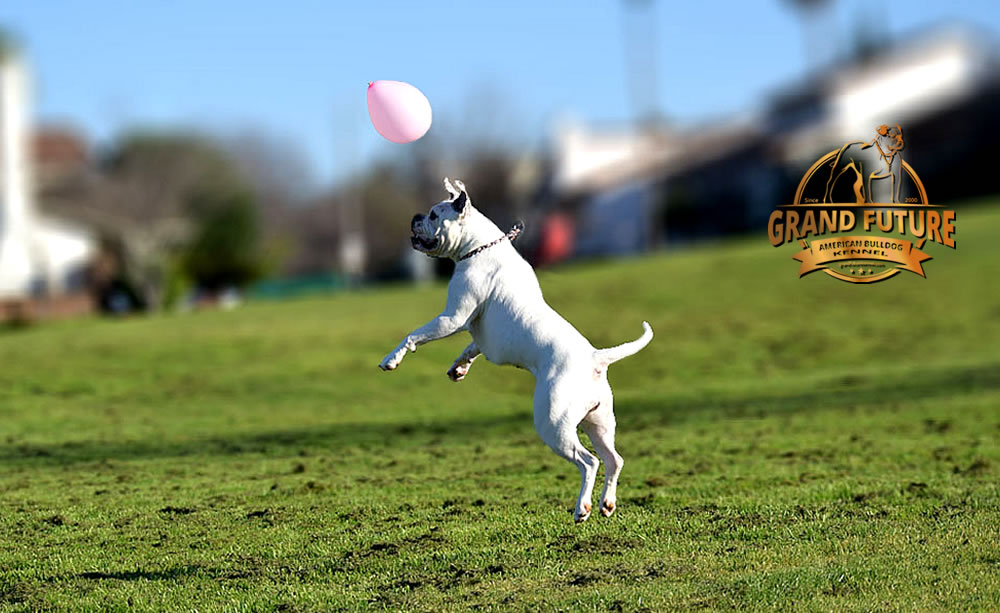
x=450, y=188
x=461, y=200
x=460, y=203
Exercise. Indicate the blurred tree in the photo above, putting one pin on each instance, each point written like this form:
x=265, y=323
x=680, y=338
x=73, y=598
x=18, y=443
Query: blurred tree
x=226, y=249
x=181, y=211
x=154, y=172
x=147, y=181
x=294, y=219
x=155, y=195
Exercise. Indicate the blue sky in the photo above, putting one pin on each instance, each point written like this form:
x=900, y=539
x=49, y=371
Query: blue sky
x=298, y=70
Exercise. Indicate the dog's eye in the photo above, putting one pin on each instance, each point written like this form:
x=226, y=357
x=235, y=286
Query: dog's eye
x=433, y=215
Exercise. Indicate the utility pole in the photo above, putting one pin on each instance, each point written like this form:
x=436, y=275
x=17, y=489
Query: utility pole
x=814, y=17
x=640, y=35
x=353, y=249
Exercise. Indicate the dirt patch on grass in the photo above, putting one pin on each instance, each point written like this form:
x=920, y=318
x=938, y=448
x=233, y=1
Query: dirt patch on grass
x=140, y=575
x=17, y=594
x=619, y=575
x=429, y=540
x=590, y=577
x=378, y=548
x=599, y=544
x=977, y=468
x=936, y=426
x=646, y=501
x=393, y=595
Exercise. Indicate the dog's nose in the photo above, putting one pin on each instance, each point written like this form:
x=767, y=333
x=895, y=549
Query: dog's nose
x=416, y=219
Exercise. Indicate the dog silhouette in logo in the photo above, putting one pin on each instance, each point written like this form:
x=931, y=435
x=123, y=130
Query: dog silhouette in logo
x=876, y=164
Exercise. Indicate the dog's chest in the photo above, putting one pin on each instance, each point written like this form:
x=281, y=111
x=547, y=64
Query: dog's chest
x=498, y=335
x=510, y=308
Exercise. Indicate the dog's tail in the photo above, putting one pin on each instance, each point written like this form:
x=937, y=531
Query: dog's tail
x=610, y=355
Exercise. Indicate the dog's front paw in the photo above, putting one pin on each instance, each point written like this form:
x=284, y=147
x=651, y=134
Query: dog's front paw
x=391, y=361
x=457, y=372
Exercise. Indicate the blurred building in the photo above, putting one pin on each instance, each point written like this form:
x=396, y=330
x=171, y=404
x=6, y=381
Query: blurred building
x=940, y=86
x=628, y=189
x=43, y=261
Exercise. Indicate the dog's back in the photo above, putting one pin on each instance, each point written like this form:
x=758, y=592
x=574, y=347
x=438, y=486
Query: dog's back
x=515, y=325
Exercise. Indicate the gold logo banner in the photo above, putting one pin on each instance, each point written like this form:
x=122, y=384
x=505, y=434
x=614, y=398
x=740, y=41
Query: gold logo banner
x=824, y=251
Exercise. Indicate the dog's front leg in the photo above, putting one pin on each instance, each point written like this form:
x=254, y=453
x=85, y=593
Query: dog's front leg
x=440, y=327
x=459, y=310
x=463, y=362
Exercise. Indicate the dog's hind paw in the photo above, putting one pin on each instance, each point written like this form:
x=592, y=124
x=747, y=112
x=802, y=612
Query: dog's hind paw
x=607, y=508
x=457, y=373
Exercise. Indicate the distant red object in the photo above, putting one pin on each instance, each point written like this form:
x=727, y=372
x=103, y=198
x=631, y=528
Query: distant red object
x=556, y=243
x=28, y=310
x=59, y=153
x=59, y=147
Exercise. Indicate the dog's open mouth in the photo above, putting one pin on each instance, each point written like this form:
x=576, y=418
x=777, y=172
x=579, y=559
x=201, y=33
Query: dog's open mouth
x=424, y=244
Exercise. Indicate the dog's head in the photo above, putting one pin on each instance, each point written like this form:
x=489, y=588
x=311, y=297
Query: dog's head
x=440, y=232
x=890, y=139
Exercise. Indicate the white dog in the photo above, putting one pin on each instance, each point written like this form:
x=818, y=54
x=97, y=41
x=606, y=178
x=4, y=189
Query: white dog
x=495, y=295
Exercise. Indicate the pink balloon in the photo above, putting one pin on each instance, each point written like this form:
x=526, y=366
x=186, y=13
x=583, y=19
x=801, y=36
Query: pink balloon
x=399, y=111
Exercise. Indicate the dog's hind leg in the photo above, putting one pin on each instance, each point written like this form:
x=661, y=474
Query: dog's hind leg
x=463, y=362
x=556, y=425
x=599, y=425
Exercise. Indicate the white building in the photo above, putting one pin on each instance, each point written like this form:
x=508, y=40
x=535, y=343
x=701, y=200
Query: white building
x=901, y=84
x=38, y=256
x=726, y=176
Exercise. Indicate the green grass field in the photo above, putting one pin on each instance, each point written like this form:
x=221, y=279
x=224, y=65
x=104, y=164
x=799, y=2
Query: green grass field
x=789, y=443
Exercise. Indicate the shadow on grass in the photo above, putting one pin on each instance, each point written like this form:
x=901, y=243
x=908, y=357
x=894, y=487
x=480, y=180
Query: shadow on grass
x=843, y=393
x=168, y=574
x=838, y=393
x=174, y=573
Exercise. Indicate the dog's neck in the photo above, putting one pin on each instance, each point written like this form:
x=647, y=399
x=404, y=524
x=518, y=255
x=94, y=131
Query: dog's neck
x=479, y=231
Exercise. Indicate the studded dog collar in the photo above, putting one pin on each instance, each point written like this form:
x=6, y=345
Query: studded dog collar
x=514, y=231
